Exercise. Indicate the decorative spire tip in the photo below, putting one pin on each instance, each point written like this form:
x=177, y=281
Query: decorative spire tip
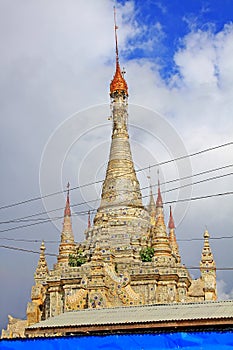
x=171, y=224
x=159, y=201
x=89, y=219
x=67, y=208
x=115, y=30
x=118, y=84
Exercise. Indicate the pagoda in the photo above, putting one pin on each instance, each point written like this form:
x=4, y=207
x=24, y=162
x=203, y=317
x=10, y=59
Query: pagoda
x=129, y=256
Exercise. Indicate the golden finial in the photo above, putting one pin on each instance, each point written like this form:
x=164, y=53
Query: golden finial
x=118, y=84
x=171, y=224
x=151, y=207
x=150, y=184
x=159, y=201
x=42, y=247
x=115, y=31
x=149, y=177
x=67, y=208
x=89, y=219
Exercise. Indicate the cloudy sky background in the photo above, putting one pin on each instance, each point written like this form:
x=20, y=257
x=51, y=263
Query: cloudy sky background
x=57, y=60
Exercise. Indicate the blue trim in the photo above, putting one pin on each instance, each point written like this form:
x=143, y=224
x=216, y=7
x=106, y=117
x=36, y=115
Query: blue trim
x=181, y=340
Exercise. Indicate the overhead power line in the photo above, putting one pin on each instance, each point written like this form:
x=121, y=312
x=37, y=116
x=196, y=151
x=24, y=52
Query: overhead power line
x=217, y=268
x=93, y=210
x=201, y=239
x=52, y=254
x=100, y=181
x=25, y=240
x=197, y=174
x=200, y=197
x=195, y=183
x=29, y=218
x=25, y=250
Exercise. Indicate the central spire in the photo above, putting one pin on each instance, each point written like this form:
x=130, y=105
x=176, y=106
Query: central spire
x=121, y=188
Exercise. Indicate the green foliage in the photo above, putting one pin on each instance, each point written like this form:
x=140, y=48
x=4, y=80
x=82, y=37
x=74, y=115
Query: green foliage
x=77, y=259
x=147, y=254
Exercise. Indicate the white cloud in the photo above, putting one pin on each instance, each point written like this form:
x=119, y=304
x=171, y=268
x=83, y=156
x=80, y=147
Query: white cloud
x=199, y=95
x=197, y=60
x=223, y=294
x=161, y=6
x=204, y=60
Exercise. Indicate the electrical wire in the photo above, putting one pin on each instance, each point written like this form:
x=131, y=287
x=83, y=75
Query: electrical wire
x=25, y=240
x=201, y=239
x=194, y=175
x=25, y=250
x=57, y=242
x=193, y=183
x=200, y=197
x=52, y=254
x=25, y=218
x=93, y=210
x=100, y=181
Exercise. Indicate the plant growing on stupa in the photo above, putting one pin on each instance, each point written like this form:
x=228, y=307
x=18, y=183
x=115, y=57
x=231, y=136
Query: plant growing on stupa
x=77, y=259
x=147, y=254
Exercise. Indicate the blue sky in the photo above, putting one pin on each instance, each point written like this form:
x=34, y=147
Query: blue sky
x=57, y=61
x=176, y=18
